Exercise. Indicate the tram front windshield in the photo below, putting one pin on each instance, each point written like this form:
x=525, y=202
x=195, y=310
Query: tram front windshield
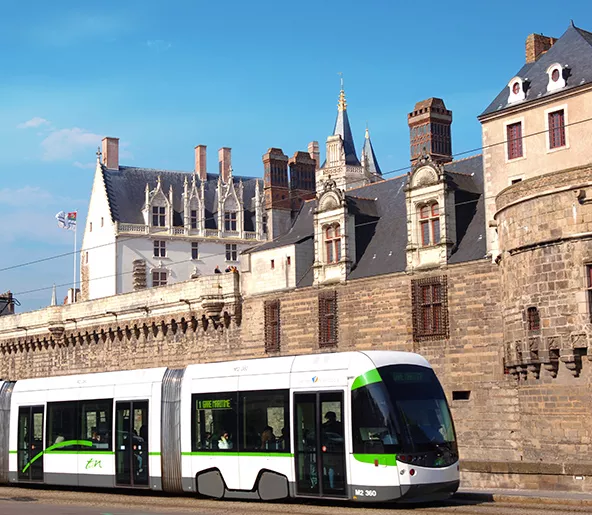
x=406, y=412
x=420, y=404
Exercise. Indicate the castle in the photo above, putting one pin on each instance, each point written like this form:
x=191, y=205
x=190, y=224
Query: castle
x=482, y=264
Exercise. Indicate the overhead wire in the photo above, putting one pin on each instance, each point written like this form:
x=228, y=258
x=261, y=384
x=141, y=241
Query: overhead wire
x=290, y=197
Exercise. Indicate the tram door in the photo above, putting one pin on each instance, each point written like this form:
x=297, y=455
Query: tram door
x=320, y=444
x=131, y=443
x=30, y=443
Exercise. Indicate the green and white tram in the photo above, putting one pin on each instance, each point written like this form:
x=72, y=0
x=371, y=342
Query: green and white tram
x=365, y=426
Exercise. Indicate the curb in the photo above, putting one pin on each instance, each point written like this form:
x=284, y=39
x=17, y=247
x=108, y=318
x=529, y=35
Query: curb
x=560, y=498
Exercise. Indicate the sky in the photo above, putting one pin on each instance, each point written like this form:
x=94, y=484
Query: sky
x=167, y=76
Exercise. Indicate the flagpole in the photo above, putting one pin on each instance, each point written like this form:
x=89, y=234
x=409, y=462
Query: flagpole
x=75, y=256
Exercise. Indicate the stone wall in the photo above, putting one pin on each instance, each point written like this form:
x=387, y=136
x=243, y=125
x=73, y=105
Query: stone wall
x=523, y=431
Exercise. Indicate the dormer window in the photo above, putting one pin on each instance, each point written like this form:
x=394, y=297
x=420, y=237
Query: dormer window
x=556, y=77
x=333, y=243
x=517, y=92
x=158, y=216
x=429, y=224
x=193, y=219
x=230, y=221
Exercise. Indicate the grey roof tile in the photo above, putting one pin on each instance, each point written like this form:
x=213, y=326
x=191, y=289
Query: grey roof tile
x=369, y=156
x=573, y=48
x=381, y=222
x=126, y=194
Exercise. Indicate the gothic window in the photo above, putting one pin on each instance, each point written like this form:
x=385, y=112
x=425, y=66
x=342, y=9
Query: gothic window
x=159, y=248
x=589, y=289
x=430, y=308
x=429, y=224
x=159, y=278
x=333, y=243
x=272, y=325
x=264, y=221
x=230, y=221
x=514, y=140
x=328, y=319
x=158, y=216
x=557, y=129
x=194, y=250
x=193, y=218
x=533, y=319
x=231, y=252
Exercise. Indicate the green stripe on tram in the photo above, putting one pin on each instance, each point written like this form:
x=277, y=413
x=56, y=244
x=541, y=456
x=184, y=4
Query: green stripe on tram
x=372, y=376
x=59, y=445
x=390, y=460
x=153, y=454
x=238, y=454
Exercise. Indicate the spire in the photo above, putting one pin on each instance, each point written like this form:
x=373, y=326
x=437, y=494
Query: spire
x=369, y=160
x=54, y=300
x=343, y=129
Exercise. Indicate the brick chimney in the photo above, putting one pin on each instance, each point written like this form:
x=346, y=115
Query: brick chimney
x=313, y=150
x=429, y=127
x=111, y=153
x=6, y=304
x=224, y=163
x=537, y=45
x=200, y=162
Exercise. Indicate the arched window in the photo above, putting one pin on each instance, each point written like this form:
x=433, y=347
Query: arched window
x=333, y=243
x=429, y=224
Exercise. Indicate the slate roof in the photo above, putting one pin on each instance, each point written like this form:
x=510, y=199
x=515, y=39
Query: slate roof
x=369, y=156
x=126, y=194
x=381, y=222
x=344, y=130
x=573, y=49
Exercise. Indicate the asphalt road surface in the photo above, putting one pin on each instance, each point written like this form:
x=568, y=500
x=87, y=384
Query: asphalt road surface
x=41, y=501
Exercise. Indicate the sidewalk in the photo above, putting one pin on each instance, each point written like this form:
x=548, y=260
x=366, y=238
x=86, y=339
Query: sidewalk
x=526, y=496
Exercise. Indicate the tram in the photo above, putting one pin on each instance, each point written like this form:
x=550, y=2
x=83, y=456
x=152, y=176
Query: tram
x=362, y=426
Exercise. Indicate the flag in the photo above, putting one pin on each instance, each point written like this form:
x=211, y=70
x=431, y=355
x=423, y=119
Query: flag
x=66, y=220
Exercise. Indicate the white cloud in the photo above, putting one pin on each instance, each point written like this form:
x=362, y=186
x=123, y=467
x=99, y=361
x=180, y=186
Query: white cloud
x=84, y=166
x=64, y=143
x=33, y=196
x=124, y=153
x=41, y=226
x=158, y=44
x=33, y=122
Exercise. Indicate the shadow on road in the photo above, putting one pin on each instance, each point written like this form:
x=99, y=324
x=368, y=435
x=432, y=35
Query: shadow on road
x=455, y=501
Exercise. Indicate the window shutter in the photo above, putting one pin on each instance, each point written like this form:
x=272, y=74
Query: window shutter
x=272, y=325
x=429, y=307
x=328, y=324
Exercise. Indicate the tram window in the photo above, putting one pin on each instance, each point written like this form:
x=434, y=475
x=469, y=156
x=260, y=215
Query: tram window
x=264, y=421
x=62, y=424
x=374, y=430
x=96, y=423
x=214, y=422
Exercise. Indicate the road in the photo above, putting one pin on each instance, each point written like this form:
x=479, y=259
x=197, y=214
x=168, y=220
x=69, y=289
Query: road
x=41, y=501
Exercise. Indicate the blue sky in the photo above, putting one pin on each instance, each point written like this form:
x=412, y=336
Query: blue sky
x=164, y=77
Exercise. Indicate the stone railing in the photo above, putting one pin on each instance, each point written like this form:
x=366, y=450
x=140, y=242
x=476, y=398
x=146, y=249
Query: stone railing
x=136, y=228
x=210, y=296
x=181, y=231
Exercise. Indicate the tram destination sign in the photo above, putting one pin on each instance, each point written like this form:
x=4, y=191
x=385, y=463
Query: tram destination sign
x=214, y=404
x=408, y=377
